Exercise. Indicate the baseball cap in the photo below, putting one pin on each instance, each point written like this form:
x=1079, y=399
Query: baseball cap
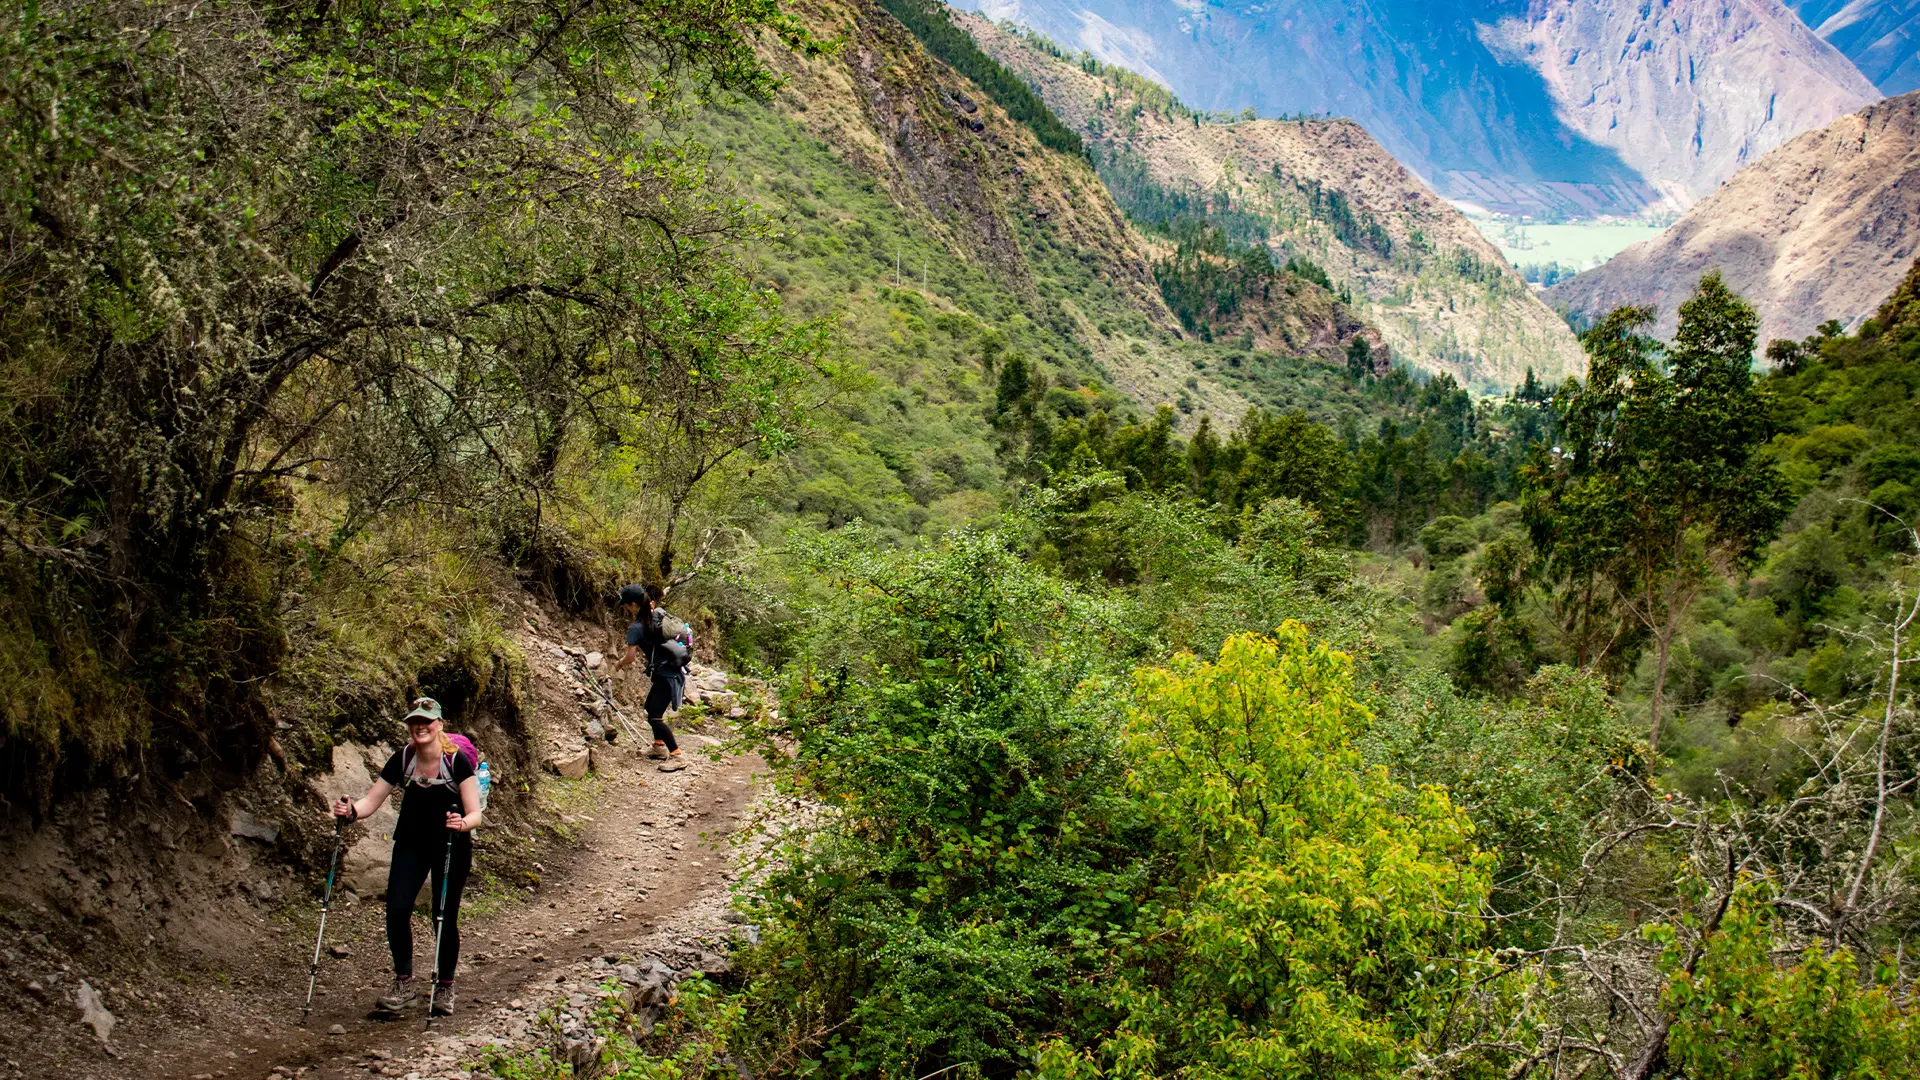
x=633, y=594
x=425, y=711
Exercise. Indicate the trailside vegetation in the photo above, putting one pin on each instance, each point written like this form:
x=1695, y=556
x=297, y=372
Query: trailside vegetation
x=1375, y=731
x=377, y=263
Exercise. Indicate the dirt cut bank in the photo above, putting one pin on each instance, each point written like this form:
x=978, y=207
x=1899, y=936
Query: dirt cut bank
x=184, y=933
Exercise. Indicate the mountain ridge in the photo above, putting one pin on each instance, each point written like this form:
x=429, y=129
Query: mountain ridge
x=1540, y=108
x=1881, y=37
x=1328, y=192
x=1822, y=228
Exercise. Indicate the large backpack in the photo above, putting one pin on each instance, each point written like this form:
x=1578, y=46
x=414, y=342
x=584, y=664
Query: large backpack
x=676, y=640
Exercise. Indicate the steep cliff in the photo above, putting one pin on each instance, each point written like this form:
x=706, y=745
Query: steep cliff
x=1881, y=37
x=1507, y=104
x=1823, y=228
x=1034, y=225
x=1688, y=92
x=1323, y=191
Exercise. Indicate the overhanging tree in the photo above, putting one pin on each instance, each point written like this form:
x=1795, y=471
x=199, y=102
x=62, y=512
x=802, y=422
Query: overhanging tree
x=245, y=248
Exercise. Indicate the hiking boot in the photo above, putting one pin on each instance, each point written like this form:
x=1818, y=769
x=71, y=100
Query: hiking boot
x=397, y=999
x=674, y=763
x=442, y=1000
x=659, y=752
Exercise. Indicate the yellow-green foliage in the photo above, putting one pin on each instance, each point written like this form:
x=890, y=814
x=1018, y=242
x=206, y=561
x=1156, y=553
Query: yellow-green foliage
x=1315, y=901
x=1743, y=1015
x=50, y=701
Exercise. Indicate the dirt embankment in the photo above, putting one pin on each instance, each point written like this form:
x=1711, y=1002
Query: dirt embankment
x=188, y=925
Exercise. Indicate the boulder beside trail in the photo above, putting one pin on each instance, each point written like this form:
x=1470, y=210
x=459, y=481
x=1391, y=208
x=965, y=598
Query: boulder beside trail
x=93, y=1011
x=571, y=763
x=368, y=857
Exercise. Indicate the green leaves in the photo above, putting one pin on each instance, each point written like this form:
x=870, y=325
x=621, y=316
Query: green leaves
x=1310, y=902
x=1659, y=482
x=1747, y=1013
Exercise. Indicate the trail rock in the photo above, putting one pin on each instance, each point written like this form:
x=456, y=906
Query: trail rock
x=364, y=865
x=93, y=1011
x=582, y=1051
x=594, y=660
x=337, y=1029
x=571, y=764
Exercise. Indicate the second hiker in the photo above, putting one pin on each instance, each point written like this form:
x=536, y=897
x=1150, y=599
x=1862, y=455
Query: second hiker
x=666, y=652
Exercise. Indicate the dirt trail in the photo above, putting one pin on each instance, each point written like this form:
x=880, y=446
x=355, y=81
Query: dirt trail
x=655, y=853
x=650, y=877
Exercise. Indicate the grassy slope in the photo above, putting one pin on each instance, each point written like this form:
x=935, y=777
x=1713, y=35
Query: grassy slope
x=866, y=155
x=1440, y=293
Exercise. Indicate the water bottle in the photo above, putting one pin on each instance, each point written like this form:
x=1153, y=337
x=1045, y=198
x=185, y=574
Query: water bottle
x=485, y=776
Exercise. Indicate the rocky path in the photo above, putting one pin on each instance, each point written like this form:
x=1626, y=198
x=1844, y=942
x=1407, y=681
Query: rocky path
x=646, y=884
x=640, y=882
x=650, y=884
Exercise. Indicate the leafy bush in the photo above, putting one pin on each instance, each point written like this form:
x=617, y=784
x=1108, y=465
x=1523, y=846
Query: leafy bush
x=1742, y=1013
x=1308, y=910
x=952, y=716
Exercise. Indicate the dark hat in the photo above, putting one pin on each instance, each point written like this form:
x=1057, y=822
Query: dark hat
x=633, y=594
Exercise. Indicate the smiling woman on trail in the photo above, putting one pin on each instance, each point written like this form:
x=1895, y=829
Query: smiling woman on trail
x=438, y=813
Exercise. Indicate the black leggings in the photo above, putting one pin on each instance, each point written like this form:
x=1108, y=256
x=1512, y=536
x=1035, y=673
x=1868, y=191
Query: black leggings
x=413, y=864
x=662, y=696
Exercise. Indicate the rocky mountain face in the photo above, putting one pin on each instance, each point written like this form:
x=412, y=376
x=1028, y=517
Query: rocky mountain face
x=1881, y=37
x=1687, y=92
x=1822, y=228
x=1574, y=107
x=1324, y=191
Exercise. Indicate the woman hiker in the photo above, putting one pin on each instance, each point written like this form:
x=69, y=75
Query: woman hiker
x=647, y=637
x=438, y=814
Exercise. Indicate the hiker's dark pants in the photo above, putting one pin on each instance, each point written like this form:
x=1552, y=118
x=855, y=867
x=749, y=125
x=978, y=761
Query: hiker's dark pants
x=413, y=865
x=666, y=693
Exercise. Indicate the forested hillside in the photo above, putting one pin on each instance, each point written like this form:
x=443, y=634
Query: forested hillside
x=1574, y=108
x=1316, y=192
x=1113, y=659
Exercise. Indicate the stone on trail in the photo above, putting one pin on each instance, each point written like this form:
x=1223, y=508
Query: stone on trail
x=570, y=764
x=594, y=660
x=93, y=1011
x=339, y=952
x=337, y=1029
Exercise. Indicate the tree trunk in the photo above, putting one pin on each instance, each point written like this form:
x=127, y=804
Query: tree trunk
x=1664, y=646
x=675, y=506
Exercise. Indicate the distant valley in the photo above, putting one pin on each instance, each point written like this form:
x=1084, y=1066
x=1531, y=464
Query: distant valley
x=1557, y=108
x=1319, y=191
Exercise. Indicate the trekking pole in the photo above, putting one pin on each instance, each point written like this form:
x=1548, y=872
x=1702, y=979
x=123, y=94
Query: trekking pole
x=440, y=928
x=607, y=697
x=326, y=902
